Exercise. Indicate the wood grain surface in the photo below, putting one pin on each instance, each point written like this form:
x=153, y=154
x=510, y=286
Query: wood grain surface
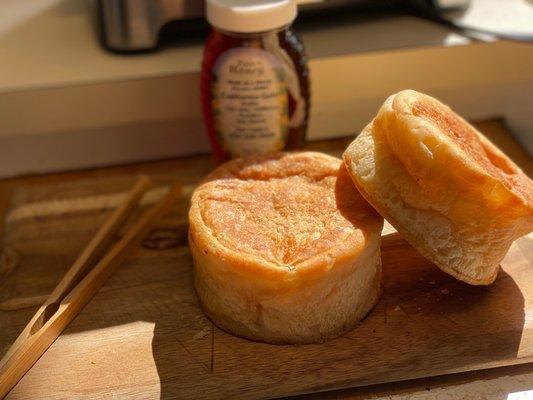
x=144, y=336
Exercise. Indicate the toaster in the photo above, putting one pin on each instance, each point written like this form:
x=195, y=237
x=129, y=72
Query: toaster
x=138, y=25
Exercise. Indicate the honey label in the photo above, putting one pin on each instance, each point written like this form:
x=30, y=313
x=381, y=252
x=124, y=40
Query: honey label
x=250, y=102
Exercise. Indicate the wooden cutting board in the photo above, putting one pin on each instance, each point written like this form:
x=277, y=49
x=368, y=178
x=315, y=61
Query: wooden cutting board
x=144, y=335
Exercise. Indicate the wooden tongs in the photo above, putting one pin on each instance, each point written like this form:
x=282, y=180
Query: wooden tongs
x=86, y=276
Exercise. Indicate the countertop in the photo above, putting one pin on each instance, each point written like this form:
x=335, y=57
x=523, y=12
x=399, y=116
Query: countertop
x=54, y=43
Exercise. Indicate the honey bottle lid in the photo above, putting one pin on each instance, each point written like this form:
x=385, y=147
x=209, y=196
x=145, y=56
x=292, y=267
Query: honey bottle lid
x=250, y=16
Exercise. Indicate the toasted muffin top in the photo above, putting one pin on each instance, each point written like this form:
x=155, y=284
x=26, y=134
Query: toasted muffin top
x=285, y=208
x=479, y=151
x=434, y=143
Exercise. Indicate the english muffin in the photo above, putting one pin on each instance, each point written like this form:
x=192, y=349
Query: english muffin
x=285, y=249
x=445, y=187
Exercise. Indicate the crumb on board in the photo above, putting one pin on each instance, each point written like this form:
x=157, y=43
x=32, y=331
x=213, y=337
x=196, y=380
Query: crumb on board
x=397, y=308
x=201, y=334
x=445, y=291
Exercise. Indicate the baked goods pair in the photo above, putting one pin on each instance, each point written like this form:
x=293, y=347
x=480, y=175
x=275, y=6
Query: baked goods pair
x=286, y=250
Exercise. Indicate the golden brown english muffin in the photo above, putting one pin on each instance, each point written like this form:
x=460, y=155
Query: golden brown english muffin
x=285, y=249
x=445, y=187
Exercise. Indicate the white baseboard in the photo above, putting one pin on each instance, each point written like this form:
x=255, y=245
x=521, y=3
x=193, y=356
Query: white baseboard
x=30, y=154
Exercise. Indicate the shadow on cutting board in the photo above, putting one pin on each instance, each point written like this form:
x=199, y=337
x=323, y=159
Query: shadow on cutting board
x=426, y=323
